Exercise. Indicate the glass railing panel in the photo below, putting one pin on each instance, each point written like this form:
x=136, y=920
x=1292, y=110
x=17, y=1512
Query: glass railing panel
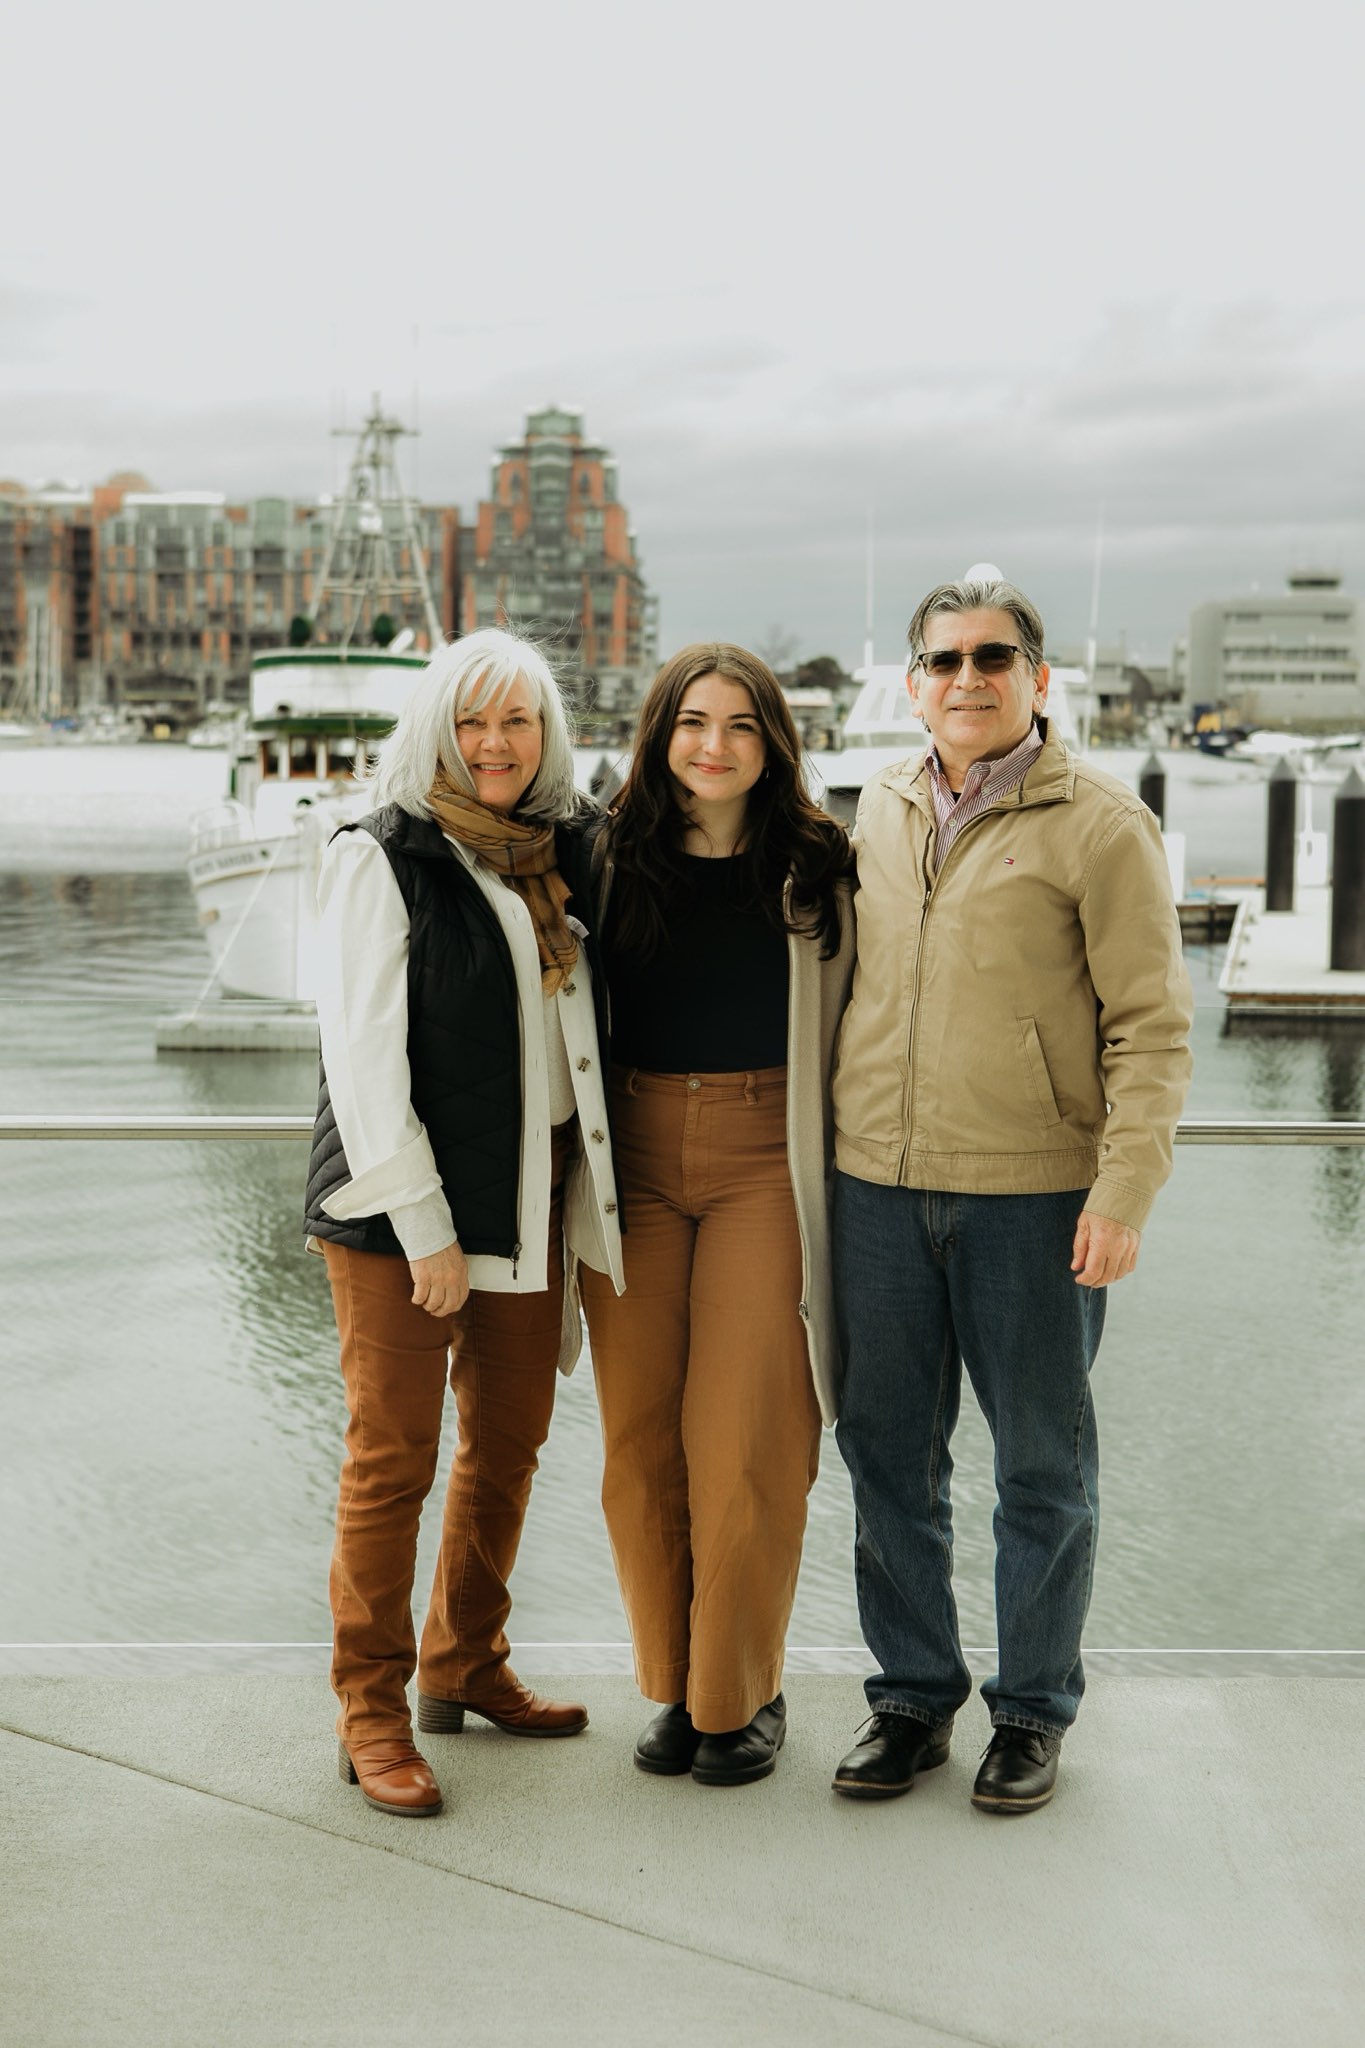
x=173, y=1413
x=175, y=1418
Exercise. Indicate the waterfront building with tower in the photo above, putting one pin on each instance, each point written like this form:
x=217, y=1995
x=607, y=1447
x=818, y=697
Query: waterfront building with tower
x=156, y=602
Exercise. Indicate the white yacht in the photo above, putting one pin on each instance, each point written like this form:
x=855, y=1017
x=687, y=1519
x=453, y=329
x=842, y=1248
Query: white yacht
x=316, y=714
x=883, y=728
x=297, y=767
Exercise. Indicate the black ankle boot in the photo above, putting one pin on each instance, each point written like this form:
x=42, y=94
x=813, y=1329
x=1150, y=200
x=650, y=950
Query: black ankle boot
x=743, y=1754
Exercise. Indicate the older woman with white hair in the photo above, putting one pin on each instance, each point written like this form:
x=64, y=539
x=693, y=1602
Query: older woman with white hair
x=461, y=1144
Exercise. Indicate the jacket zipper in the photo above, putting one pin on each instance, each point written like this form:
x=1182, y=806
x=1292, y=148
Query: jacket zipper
x=909, y=1104
x=908, y=1107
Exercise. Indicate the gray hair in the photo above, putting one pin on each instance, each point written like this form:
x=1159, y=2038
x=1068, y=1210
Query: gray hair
x=462, y=677
x=973, y=596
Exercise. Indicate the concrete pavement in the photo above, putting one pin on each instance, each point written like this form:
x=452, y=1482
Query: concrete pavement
x=182, y=1865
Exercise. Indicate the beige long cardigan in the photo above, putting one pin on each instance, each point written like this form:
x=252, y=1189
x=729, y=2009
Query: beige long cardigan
x=817, y=991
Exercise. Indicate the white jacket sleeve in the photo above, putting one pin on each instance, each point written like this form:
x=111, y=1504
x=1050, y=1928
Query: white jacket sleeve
x=363, y=1023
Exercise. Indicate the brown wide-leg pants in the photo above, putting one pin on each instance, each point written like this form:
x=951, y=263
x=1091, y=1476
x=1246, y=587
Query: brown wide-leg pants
x=710, y=1424
x=503, y=1352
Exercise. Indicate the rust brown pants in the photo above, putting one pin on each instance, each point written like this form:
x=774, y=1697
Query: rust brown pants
x=710, y=1425
x=502, y=1352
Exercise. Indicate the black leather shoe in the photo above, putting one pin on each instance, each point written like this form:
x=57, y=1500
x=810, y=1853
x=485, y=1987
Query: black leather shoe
x=743, y=1754
x=669, y=1744
x=1019, y=1772
x=885, y=1762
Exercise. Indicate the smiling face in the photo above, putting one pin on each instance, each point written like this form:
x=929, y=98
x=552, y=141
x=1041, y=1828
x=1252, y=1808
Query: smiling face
x=716, y=751
x=972, y=717
x=501, y=745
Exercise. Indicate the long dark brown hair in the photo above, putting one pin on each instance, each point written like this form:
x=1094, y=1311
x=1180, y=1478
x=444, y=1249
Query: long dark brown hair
x=785, y=834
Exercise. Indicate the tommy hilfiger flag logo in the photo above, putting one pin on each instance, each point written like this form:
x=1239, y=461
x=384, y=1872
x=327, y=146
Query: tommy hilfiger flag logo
x=1009, y=860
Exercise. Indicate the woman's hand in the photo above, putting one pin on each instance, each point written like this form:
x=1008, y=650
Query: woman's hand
x=440, y=1284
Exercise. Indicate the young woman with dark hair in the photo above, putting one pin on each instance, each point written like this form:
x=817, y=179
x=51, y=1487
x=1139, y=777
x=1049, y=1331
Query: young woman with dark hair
x=722, y=899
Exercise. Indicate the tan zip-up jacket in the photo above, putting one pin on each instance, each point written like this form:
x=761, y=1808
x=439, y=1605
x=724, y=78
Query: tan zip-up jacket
x=1019, y=1021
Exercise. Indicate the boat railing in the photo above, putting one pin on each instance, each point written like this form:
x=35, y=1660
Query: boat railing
x=223, y=824
x=1197, y=1131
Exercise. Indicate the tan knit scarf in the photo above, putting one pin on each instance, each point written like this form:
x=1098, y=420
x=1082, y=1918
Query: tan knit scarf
x=523, y=854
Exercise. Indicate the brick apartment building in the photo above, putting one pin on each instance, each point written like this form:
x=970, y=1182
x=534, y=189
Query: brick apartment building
x=48, y=597
x=157, y=600
x=553, y=556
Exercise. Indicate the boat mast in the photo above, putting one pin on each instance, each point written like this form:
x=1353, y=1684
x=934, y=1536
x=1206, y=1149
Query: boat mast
x=365, y=569
x=871, y=591
x=1092, y=644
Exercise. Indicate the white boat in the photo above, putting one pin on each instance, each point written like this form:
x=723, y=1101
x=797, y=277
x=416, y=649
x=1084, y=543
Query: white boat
x=316, y=715
x=297, y=767
x=883, y=728
x=220, y=728
x=13, y=733
x=102, y=726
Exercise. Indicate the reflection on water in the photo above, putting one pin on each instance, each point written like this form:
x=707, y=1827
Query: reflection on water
x=1310, y=1067
x=1338, y=1210
x=172, y=1409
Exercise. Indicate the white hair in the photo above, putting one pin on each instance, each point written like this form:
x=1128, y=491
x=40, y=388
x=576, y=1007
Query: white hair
x=465, y=676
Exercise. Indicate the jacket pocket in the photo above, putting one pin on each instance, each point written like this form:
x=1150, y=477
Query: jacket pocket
x=1037, y=1070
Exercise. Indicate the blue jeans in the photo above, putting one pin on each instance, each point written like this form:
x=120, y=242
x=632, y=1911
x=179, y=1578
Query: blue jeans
x=925, y=1283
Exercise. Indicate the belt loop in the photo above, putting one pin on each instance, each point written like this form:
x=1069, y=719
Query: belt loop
x=631, y=1080
x=750, y=1088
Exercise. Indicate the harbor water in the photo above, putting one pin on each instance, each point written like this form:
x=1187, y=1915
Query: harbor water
x=172, y=1411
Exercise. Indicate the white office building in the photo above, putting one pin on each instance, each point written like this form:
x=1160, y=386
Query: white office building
x=1291, y=660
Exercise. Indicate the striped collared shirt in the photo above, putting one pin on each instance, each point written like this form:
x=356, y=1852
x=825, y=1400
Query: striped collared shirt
x=986, y=782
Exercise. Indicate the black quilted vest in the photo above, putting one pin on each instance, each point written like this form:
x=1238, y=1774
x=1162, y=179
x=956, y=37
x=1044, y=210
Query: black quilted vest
x=464, y=1050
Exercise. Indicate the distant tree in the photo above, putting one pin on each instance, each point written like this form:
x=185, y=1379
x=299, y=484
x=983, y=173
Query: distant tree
x=778, y=648
x=384, y=628
x=822, y=672
x=300, y=630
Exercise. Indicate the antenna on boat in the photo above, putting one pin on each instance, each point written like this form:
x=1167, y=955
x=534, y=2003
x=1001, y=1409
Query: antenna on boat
x=1092, y=644
x=871, y=587
x=416, y=415
x=362, y=565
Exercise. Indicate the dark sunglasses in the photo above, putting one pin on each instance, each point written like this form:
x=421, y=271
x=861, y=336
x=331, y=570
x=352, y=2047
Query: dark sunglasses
x=992, y=658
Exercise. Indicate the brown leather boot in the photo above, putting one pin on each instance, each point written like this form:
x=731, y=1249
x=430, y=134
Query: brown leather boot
x=514, y=1708
x=392, y=1776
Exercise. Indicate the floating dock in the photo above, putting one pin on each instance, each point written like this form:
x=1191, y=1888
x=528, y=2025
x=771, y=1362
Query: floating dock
x=1277, y=964
x=240, y=1024
x=1207, y=918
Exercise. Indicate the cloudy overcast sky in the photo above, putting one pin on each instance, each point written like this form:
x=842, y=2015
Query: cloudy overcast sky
x=982, y=269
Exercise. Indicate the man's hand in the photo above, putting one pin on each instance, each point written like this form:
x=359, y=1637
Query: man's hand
x=1104, y=1251
x=440, y=1284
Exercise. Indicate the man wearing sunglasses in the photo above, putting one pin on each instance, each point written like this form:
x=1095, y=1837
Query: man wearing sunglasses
x=1009, y=1076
